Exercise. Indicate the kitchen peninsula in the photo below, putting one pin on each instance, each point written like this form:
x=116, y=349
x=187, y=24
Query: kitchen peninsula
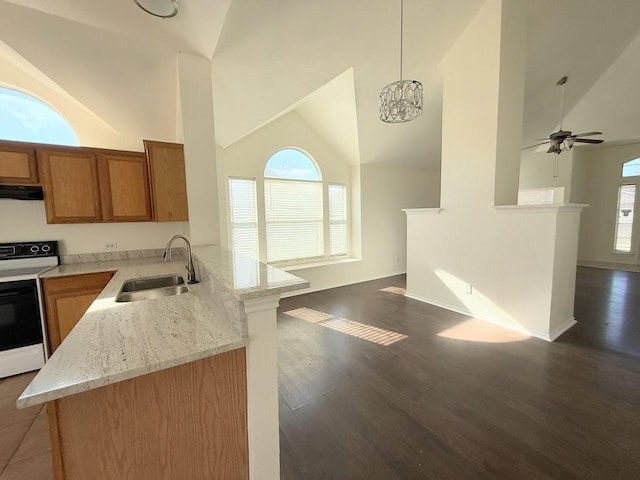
x=182, y=386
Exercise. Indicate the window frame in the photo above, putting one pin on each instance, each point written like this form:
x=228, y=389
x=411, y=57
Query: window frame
x=257, y=213
x=632, y=237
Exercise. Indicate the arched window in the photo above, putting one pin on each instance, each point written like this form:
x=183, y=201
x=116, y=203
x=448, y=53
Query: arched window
x=291, y=164
x=293, y=207
x=26, y=119
x=305, y=219
x=631, y=168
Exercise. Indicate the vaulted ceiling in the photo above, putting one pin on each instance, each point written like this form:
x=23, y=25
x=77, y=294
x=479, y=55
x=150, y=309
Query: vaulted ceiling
x=328, y=60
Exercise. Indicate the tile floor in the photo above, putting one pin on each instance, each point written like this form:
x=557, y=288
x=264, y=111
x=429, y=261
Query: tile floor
x=25, y=449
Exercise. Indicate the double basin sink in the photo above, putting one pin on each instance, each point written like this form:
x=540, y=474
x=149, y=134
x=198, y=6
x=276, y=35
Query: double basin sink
x=151, y=287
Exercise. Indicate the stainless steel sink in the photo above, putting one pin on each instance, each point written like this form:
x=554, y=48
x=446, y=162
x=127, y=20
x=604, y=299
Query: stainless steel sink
x=151, y=287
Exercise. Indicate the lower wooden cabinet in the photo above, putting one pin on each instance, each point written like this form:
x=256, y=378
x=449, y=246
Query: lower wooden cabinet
x=185, y=422
x=66, y=301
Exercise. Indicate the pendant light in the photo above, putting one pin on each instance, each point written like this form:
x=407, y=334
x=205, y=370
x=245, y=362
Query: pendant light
x=401, y=101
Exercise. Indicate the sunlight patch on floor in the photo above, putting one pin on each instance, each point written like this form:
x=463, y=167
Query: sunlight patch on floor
x=309, y=315
x=363, y=331
x=396, y=290
x=475, y=330
x=346, y=326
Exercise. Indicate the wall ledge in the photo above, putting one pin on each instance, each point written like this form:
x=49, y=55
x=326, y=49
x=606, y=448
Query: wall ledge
x=422, y=211
x=558, y=207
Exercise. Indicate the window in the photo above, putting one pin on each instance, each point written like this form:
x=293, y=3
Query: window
x=243, y=216
x=293, y=207
x=302, y=220
x=26, y=119
x=624, y=221
x=337, y=220
x=631, y=168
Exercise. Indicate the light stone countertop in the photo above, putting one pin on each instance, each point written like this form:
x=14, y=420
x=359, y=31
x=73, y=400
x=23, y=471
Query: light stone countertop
x=118, y=341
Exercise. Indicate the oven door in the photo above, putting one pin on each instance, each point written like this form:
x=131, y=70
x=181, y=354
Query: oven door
x=20, y=323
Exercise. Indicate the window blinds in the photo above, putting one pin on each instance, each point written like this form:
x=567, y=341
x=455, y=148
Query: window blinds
x=293, y=215
x=624, y=221
x=337, y=220
x=243, y=216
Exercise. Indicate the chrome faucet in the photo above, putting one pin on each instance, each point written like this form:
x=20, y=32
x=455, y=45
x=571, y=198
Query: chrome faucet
x=191, y=272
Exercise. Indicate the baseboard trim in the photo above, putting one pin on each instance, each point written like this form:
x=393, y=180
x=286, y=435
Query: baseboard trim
x=337, y=285
x=562, y=328
x=463, y=311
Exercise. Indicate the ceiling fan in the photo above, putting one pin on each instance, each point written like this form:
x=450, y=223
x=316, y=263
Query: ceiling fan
x=563, y=140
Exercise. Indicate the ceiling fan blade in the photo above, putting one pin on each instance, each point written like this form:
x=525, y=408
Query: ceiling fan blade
x=588, y=134
x=588, y=140
x=535, y=145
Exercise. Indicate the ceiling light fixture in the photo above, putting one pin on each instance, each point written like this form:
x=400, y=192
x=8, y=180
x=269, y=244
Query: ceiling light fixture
x=401, y=101
x=159, y=8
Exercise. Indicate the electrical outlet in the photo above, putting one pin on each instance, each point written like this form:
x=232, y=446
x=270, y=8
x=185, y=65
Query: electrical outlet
x=398, y=259
x=468, y=288
x=110, y=246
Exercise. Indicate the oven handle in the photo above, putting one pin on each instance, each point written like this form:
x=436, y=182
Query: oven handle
x=16, y=291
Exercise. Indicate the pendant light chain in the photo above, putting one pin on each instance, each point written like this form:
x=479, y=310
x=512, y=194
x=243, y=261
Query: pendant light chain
x=401, y=31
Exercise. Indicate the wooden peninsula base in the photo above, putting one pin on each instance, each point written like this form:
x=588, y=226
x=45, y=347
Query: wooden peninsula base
x=188, y=421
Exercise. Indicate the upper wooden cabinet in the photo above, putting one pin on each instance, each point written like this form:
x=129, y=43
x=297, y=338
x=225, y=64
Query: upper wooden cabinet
x=17, y=165
x=168, y=182
x=124, y=187
x=70, y=184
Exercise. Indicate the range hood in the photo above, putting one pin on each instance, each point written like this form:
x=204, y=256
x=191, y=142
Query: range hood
x=21, y=192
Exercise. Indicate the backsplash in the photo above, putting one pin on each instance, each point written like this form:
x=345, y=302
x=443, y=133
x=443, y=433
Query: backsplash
x=118, y=255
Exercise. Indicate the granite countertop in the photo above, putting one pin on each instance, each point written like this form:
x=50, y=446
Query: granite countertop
x=117, y=341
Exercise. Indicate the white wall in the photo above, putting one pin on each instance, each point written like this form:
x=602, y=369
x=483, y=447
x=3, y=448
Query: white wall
x=601, y=179
x=379, y=193
x=506, y=254
x=539, y=170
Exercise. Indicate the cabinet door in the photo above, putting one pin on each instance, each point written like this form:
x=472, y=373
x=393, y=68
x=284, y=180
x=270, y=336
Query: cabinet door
x=124, y=187
x=70, y=184
x=66, y=301
x=168, y=181
x=18, y=165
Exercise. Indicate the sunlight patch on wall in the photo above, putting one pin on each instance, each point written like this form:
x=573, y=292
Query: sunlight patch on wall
x=396, y=290
x=475, y=330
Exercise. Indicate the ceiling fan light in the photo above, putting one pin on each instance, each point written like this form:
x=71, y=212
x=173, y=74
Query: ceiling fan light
x=159, y=8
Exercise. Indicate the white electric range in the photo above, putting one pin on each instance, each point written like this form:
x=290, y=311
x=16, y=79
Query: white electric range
x=22, y=326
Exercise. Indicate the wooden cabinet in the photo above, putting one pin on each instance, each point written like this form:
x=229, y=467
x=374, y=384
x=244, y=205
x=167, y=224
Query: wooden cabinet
x=168, y=181
x=89, y=185
x=70, y=184
x=66, y=301
x=17, y=164
x=188, y=422
x=124, y=187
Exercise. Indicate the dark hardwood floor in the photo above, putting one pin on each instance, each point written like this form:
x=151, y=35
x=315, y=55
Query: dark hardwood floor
x=439, y=407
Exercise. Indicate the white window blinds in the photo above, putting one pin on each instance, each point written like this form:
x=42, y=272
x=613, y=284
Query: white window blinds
x=294, y=224
x=243, y=216
x=337, y=220
x=624, y=221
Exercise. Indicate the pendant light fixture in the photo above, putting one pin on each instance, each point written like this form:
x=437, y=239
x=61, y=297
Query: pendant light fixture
x=401, y=101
